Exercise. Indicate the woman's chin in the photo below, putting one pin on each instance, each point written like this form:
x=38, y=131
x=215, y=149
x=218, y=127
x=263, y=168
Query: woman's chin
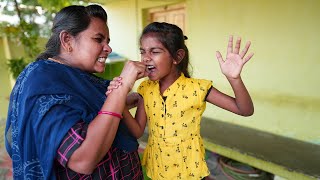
x=100, y=70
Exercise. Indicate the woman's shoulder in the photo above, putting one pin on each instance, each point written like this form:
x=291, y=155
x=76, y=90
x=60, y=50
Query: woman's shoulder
x=43, y=66
x=46, y=73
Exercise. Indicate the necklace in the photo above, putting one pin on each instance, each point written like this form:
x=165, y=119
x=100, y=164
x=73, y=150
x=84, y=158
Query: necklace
x=57, y=60
x=54, y=60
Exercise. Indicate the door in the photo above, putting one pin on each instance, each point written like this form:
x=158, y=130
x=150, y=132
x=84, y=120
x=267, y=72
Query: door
x=174, y=14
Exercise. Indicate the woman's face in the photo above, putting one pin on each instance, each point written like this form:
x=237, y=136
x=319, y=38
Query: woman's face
x=91, y=45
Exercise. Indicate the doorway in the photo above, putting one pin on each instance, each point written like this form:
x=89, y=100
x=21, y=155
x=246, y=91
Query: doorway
x=174, y=14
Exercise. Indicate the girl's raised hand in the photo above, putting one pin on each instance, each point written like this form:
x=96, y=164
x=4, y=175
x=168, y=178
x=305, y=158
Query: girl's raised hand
x=231, y=67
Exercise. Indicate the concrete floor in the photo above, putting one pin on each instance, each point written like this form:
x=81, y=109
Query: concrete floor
x=292, y=154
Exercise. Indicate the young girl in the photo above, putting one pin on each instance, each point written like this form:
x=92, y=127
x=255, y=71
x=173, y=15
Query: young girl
x=173, y=102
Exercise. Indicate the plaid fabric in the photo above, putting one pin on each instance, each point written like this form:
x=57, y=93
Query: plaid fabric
x=116, y=165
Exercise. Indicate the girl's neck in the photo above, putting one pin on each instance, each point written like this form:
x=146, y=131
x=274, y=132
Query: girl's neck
x=167, y=81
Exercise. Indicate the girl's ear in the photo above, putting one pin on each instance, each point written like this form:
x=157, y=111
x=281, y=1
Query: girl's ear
x=65, y=39
x=180, y=55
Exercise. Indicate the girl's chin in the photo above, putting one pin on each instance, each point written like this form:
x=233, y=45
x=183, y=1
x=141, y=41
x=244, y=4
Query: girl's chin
x=152, y=78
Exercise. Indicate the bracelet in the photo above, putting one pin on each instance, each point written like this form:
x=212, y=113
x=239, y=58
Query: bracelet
x=111, y=113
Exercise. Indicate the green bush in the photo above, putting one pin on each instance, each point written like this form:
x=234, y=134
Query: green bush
x=16, y=66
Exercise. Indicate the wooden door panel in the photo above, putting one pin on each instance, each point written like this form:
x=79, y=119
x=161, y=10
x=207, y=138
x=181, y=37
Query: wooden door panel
x=174, y=14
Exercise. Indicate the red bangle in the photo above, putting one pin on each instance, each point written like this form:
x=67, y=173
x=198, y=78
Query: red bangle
x=111, y=113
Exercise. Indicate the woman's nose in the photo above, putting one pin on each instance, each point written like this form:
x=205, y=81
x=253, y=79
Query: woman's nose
x=107, y=48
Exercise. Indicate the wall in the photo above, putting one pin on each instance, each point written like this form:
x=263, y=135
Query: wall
x=283, y=74
x=9, y=49
x=125, y=19
x=5, y=81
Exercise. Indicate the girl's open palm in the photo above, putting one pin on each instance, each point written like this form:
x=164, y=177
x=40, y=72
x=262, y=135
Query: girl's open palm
x=231, y=67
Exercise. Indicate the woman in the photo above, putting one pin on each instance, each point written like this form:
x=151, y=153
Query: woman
x=60, y=124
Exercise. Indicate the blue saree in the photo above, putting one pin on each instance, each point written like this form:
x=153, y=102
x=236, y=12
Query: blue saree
x=46, y=101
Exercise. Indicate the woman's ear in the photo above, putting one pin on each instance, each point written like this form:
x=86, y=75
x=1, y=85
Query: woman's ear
x=65, y=39
x=180, y=55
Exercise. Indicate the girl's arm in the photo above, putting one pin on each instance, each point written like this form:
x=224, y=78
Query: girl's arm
x=231, y=67
x=136, y=125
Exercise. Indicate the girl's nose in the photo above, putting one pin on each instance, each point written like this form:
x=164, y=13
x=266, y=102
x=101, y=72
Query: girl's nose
x=146, y=59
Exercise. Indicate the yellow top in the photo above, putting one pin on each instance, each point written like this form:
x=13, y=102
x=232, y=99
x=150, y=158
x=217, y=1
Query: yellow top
x=175, y=149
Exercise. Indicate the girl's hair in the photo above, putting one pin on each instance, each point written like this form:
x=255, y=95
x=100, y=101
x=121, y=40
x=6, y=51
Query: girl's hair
x=172, y=38
x=73, y=19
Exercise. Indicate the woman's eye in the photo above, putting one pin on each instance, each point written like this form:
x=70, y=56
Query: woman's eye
x=99, y=40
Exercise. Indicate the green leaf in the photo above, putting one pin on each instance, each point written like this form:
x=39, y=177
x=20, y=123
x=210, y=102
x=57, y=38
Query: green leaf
x=16, y=66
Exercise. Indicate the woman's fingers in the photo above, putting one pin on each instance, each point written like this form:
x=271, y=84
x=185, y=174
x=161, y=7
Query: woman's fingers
x=132, y=71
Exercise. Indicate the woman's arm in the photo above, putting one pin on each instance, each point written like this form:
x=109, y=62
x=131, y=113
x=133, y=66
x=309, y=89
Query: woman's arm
x=102, y=130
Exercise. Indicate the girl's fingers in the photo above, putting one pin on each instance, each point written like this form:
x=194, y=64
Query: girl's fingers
x=245, y=50
x=230, y=45
x=237, y=47
x=108, y=92
x=219, y=57
x=247, y=58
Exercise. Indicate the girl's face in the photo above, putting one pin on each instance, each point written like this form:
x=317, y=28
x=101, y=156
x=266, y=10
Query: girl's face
x=159, y=62
x=91, y=45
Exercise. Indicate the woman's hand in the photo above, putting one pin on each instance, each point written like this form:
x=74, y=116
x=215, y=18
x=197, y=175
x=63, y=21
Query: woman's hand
x=132, y=71
x=231, y=67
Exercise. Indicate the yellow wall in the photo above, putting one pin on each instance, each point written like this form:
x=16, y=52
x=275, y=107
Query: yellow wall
x=5, y=81
x=9, y=49
x=283, y=74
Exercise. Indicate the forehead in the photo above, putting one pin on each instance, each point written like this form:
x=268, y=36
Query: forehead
x=98, y=26
x=150, y=41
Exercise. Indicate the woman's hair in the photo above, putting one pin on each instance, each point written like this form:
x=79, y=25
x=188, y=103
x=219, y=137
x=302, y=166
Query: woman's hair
x=172, y=38
x=73, y=19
